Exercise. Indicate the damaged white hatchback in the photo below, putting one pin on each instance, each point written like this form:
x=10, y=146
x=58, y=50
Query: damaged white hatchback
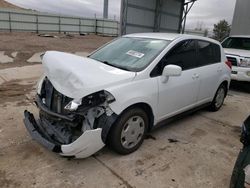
x=122, y=90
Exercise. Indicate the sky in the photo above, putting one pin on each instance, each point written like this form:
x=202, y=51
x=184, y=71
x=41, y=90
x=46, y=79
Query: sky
x=205, y=13
x=209, y=12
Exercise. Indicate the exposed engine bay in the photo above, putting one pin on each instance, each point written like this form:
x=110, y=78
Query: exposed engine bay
x=63, y=120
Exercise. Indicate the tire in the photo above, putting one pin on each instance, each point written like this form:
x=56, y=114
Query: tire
x=218, y=98
x=128, y=133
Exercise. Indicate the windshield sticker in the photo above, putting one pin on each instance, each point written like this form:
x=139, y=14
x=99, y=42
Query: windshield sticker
x=135, y=54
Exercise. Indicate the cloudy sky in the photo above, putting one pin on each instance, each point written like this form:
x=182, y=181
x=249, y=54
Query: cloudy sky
x=204, y=13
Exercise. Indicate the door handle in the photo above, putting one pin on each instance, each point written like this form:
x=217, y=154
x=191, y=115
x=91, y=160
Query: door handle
x=195, y=76
x=219, y=69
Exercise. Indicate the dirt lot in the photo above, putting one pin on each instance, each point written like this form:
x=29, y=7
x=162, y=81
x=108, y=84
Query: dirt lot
x=202, y=155
x=28, y=44
x=5, y=4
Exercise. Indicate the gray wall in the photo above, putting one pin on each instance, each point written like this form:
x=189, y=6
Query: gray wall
x=151, y=16
x=241, y=20
x=19, y=20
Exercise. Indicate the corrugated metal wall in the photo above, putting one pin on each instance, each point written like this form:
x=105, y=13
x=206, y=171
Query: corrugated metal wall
x=151, y=16
x=19, y=20
x=241, y=19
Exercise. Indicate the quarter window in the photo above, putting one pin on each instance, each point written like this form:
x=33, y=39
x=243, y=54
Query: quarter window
x=208, y=53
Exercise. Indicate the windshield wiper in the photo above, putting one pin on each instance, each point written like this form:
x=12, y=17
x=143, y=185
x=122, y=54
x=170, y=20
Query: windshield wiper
x=123, y=68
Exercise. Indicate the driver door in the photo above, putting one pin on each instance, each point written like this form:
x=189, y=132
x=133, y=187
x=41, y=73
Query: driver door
x=179, y=93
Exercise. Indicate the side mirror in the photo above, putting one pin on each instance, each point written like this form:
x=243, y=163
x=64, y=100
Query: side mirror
x=170, y=70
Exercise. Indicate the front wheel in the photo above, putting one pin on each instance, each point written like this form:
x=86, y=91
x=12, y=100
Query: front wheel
x=128, y=133
x=218, y=98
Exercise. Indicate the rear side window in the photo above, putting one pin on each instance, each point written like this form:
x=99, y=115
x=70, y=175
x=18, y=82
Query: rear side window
x=208, y=53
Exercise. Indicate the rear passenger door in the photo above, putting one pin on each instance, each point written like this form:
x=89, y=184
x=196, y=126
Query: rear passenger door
x=210, y=68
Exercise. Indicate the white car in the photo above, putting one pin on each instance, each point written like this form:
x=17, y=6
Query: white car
x=124, y=89
x=237, y=50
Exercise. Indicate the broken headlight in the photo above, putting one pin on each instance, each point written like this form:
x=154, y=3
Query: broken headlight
x=73, y=105
x=90, y=101
x=109, y=97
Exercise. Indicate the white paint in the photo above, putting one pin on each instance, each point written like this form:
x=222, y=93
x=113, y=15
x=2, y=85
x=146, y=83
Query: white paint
x=86, y=145
x=238, y=52
x=243, y=74
x=172, y=70
x=4, y=58
x=73, y=75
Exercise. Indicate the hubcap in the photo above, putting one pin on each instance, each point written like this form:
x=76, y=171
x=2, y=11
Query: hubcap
x=220, y=97
x=132, y=132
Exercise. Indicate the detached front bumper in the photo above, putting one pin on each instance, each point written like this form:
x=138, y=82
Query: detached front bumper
x=87, y=144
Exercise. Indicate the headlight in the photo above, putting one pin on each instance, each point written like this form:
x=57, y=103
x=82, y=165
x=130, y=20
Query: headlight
x=90, y=101
x=39, y=85
x=244, y=62
x=109, y=97
x=73, y=105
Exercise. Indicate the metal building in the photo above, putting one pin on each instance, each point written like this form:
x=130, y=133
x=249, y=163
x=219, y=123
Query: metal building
x=151, y=16
x=241, y=19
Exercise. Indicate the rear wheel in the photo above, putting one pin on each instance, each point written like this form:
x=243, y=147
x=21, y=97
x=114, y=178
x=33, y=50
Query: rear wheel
x=218, y=98
x=128, y=133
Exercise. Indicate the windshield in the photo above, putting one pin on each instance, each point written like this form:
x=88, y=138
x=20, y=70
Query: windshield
x=237, y=43
x=133, y=54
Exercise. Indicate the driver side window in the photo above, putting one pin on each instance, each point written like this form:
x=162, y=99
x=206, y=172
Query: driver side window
x=183, y=55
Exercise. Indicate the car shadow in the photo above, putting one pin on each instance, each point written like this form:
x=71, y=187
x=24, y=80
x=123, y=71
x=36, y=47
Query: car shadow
x=240, y=86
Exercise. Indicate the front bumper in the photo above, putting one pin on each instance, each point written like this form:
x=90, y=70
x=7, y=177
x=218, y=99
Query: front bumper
x=240, y=74
x=87, y=144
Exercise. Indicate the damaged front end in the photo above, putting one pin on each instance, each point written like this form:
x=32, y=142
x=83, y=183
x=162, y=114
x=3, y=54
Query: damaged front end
x=72, y=127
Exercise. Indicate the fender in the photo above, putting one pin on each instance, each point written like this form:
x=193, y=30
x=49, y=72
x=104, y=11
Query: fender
x=137, y=91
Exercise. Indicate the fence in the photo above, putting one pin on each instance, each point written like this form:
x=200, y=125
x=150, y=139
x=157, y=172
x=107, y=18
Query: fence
x=196, y=32
x=20, y=20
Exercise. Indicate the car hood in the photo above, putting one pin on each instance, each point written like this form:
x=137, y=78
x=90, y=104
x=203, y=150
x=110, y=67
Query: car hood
x=237, y=52
x=76, y=76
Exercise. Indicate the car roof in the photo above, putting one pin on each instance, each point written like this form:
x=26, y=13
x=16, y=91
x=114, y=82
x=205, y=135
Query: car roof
x=169, y=36
x=164, y=36
x=240, y=36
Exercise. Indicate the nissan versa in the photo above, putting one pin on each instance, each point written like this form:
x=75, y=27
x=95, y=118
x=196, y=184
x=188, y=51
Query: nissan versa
x=122, y=90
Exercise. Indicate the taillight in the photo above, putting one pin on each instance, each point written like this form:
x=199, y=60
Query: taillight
x=229, y=64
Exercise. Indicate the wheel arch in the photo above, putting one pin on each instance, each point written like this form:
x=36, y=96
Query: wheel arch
x=226, y=84
x=145, y=107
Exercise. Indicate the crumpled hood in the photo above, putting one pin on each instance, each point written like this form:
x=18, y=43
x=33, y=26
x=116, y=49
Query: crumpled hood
x=237, y=52
x=76, y=76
